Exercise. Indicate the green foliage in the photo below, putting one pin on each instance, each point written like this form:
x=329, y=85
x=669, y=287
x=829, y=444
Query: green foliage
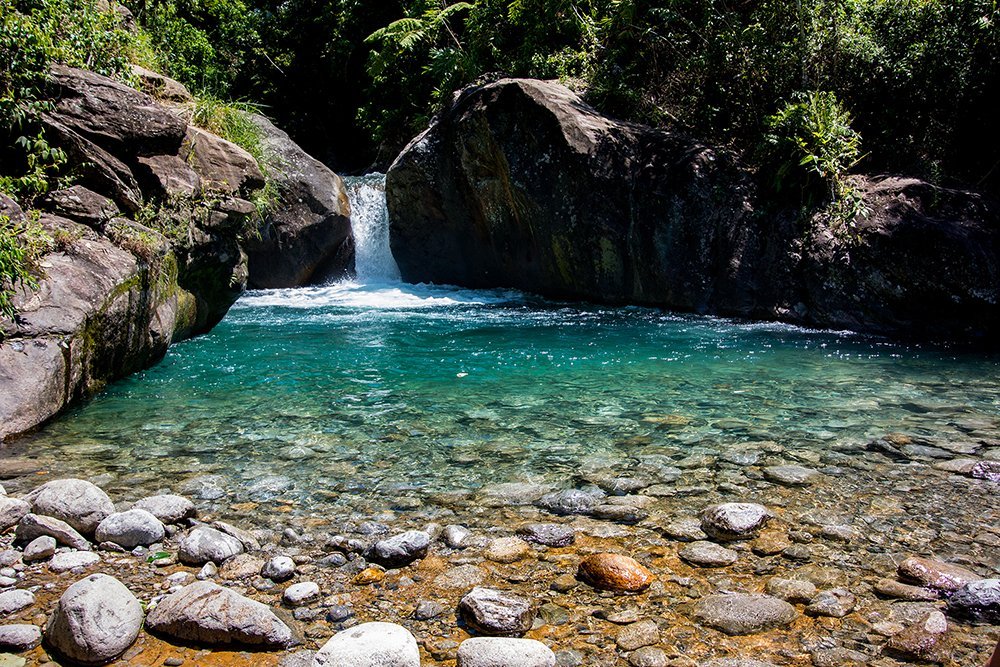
x=232, y=121
x=22, y=243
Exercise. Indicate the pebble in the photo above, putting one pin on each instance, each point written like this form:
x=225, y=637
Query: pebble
x=70, y=560
x=614, y=572
x=299, y=594
x=734, y=521
x=504, y=652
x=571, y=501
x=507, y=550
x=463, y=576
x=401, y=549
x=921, y=641
x=279, y=568
x=791, y=590
x=455, y=536
x=428, y=609
x=648, y=656
x=494, y=612
x=548, y=534
x=637, y=635
x=370, y=645
x=39, y=548
x=708, y=554
x=19, y=638
x=95, y=620
x=687, y=529
x=835, y=603
x=744, y=613
x=891, y=588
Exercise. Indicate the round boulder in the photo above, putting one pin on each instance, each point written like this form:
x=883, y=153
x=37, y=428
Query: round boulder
x=77, y=502
x=744, y=613
x=614, y=572
x=504, y=652
x=734, y=521
x=204, y=544
x=370, y=645
x=95, y=620
x=279, y=568
x=401, y=549
x=130, y=529
x=167, y=508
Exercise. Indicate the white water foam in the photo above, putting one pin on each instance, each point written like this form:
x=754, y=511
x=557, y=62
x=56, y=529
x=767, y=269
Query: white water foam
x=370, y=224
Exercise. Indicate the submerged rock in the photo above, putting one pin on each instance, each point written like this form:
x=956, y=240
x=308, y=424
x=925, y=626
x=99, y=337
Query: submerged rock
x=504, y=652
x=922, y=641
x=744, y=613
x=708, y=554
x=614, y=572
x=206, y=612
x=370, y=645
x=494, y=612
x=734, y=521
x=548, y=534
x=935, y=574
x=95, y=621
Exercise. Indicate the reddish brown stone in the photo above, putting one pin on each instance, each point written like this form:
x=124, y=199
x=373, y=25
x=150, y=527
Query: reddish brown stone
x=935, y=574
x=614, y=572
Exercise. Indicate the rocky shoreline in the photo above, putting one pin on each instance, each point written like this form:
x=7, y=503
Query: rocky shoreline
x=779, y=557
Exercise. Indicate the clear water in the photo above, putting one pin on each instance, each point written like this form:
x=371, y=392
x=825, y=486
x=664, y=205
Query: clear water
x=350, y=395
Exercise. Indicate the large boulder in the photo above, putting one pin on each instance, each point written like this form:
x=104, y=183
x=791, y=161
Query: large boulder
x=520, y=184
x=370, y=645
x=306, y=237
x=78, y=502
x=95, y=621
x=205, y=612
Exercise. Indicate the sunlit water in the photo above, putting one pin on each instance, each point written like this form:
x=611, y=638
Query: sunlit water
x=360, y=391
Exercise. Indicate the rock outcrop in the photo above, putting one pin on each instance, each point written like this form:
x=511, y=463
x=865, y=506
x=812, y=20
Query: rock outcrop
x=520, y=184
x=147, y=246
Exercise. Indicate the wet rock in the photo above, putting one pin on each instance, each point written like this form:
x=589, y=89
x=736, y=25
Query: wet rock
x=39, y=548
x=504, y=652
x=401, y=549
x=130, y=529
x=978, y=601
x=167, y=508
x=923, y=641
x=205, y=612
x=370, y=645
x=836, y=603
x=614, y=572
x=935, y=574
x=548, y=534
x=14, y=601
x=463, y=576
x=456, y=536
x=891, y=588
x=279, y=568
x=12, y=510
x=744, y=613
x=77, y=502
x=33, y=526
x=507, y=550
x=686, y=530
x=571, y=501
x=791, y=475
x=648, y=656
x=623, y=486
x=71, y=560
x=770, y=543
x=619, y=513
x=203, y=544
x=736, y=662
x=19, y=638
x=494, y=612
x=708, y=554
x=428, y=609
x=734, y=521
x=95, y=620
x=988, y=470
x=799, y=552
x=299, y=594
x=205, y=487
x=511, y=493
x=637, y=635
x=241, y=566
x=791, y=590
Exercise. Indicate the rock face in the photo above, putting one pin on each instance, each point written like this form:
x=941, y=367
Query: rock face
x=520, y=184
x=205, y=612
x=96, y=620
x=117, y=293
x=370, y=645
x=307, y=237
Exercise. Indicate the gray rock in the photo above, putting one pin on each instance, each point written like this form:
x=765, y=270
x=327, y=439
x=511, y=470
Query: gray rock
x=493, y=612
x=39, y=548
x=686, y=529
x=33, y=526
x=506, y=550
x=12, y=510
x=77, y=502
x=637, y=635
x=455, y=536
x=14, y=601
x=167, y=508
x=428, y=609
x=299, y=594
x=95, y=621
x=241, y=566
x=462, y=576
x=504, y=652
x=978, y=601
x=206, y=612
x=401, y=549
x=734, y=521
x=131, y=529
x=708, y=554
x=836, y=603
x=548, y=534
x=250, y=543
x=203, y=544
x=744, y=613
x=279, y=568
x=71, y=560
x=370, y=645
x=791, y=475
x=19, y=638
x=648, y=656
x=989, y=470
x=571, y=501
x=792, y=590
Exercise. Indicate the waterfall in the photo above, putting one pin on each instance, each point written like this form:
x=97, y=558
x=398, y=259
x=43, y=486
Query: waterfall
x=370, y=224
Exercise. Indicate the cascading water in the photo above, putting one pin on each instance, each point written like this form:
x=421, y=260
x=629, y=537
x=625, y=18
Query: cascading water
x=370, y=223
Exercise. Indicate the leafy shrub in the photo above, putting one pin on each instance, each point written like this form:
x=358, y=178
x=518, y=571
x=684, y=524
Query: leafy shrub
x=22, y=243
